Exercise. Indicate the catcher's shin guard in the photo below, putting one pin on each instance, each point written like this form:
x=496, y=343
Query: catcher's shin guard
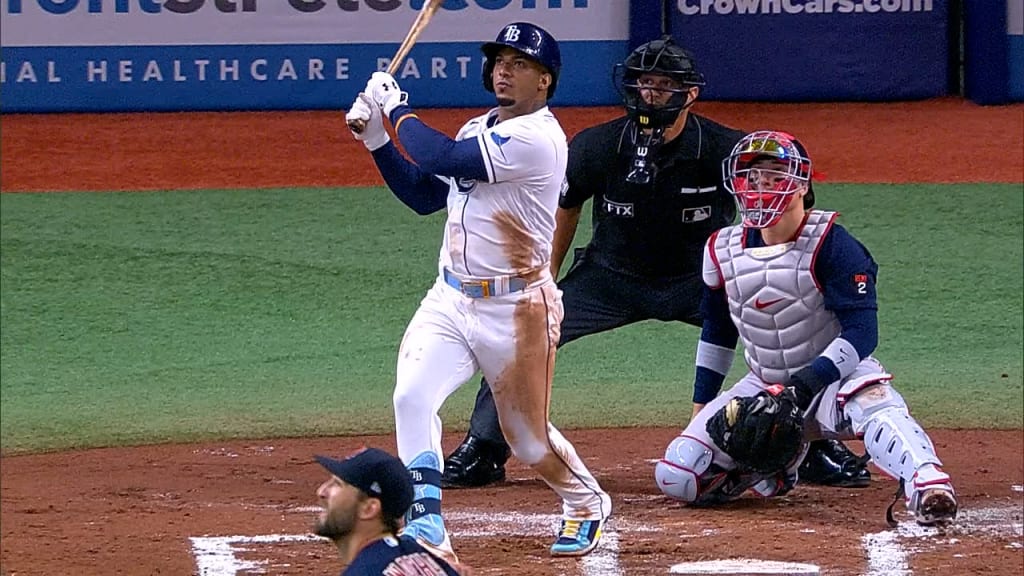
x=898, y=445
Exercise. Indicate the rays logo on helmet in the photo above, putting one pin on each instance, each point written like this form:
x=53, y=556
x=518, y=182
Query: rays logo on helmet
x=512, y=33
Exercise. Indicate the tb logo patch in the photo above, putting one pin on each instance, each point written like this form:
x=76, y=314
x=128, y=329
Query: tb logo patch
x=512, y=33
x=618, y=209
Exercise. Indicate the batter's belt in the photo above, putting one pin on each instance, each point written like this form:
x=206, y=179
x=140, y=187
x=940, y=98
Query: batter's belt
x=485, y=287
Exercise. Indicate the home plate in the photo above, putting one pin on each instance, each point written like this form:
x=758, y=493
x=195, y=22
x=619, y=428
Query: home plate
x=746, y=566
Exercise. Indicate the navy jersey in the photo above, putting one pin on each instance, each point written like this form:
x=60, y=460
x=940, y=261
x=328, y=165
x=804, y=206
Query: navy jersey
x=656, y=229
x=391, y=556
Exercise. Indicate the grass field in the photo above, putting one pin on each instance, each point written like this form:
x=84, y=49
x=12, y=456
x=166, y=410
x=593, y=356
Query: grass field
x=131, y=318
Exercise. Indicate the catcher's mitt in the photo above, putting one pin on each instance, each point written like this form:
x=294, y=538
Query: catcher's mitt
x=762, y=433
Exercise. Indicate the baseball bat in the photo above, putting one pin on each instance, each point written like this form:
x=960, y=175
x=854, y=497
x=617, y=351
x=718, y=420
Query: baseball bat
x=418, y=25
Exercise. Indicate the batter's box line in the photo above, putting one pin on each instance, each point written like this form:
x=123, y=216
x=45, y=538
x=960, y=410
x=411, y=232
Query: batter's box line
x=218, y=555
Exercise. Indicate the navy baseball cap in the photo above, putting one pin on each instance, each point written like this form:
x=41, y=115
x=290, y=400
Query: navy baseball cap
x=379, y=475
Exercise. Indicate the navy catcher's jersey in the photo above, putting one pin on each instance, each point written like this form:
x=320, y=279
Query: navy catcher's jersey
x=391, y=556
x=657, y=229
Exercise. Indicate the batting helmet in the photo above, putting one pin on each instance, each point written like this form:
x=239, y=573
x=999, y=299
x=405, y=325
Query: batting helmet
x=664, y=58
x=529, y=39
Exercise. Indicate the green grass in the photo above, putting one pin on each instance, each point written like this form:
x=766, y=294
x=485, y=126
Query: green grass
x=149, y=317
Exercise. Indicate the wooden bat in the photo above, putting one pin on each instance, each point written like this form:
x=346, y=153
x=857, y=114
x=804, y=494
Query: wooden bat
x=418, y=25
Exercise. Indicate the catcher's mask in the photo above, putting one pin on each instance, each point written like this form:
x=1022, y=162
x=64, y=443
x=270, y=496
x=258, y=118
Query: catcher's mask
x=764, y=172
x=530, y=39
x=654, y=82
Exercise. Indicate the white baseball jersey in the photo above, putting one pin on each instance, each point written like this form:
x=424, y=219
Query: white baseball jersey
x=505, y=226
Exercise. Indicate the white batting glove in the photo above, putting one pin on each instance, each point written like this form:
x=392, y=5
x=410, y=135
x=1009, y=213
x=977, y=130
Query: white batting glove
x=373, y=135
x=384, y=90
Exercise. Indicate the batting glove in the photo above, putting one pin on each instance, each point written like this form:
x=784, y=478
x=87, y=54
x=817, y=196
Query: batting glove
x=365, y=110
x=384, y=90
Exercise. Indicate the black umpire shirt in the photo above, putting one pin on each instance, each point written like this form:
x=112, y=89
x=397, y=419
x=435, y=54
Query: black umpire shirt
x=656, y=229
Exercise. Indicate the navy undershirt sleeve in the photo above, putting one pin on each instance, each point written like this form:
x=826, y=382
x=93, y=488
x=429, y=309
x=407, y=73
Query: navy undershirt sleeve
x=718, y=329
x=847, y=275
x=416, y=188
x=435, y=152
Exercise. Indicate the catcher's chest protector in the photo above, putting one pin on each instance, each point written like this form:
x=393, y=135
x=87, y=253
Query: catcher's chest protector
x=775, y=300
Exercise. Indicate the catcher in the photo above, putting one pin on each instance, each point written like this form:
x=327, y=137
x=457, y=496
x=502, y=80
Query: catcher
x=799, y=290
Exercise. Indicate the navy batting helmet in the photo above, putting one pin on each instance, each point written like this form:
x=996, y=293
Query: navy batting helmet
x=529, y=39
x=661, y=57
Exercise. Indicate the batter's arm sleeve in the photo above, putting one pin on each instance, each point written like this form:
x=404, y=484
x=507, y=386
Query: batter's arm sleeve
x=566, y=221
x=422, y=192
x=434, y=151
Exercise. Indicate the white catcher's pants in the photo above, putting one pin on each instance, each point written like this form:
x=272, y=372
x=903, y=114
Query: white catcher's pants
x=512, y=340
x=862, y=405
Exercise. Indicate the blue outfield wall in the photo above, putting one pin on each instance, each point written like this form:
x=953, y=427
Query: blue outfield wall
x=817, y=50
x=1015, y=48
x=165, y=55
x=135, y=55
x=272, y=77
x=1017, y=67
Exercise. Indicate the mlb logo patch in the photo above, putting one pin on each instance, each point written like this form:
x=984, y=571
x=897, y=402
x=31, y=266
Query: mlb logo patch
x=696, y=214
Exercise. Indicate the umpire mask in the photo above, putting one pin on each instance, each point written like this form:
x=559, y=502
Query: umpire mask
x=654, y=82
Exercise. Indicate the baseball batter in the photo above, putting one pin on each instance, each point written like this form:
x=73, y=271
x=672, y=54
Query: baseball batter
x=799, y=291
x=494, y=307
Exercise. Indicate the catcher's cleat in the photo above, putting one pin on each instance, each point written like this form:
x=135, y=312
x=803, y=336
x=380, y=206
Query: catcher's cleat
x=937, y=507
x=577, y=537
x=474, y=463
x=831, y=463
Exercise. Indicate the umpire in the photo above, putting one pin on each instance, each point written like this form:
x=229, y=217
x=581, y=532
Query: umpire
x=655, y=176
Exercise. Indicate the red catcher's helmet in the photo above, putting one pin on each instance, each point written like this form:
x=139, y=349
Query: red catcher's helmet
x=764, y=172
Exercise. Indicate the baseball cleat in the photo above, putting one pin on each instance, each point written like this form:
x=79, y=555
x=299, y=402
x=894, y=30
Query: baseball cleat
x=577, y=537
x=938, y=507
x=831, y=463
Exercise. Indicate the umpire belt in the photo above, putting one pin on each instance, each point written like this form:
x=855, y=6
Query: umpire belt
x=485, y=287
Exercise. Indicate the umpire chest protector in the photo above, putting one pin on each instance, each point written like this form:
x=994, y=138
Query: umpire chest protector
x=774, y=298
x=658, y=228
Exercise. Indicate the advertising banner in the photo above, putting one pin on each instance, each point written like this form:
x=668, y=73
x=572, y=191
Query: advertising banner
x=817, y=50
x=97, y=55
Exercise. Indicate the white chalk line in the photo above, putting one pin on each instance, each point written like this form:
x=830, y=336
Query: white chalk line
x=217, y=555
x=887, y=556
